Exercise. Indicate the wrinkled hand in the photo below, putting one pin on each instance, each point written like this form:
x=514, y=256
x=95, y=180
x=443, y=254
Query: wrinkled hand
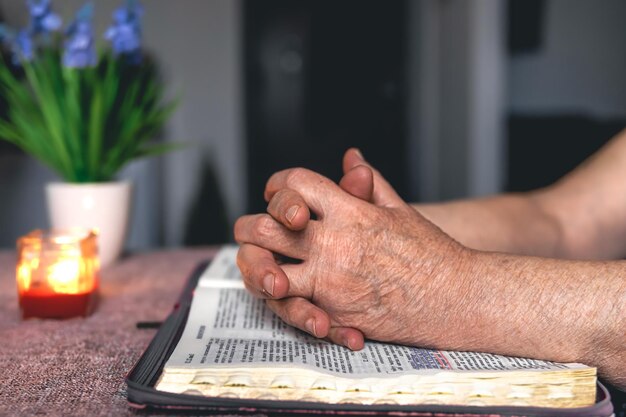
x=291, y=210
x=365, y=265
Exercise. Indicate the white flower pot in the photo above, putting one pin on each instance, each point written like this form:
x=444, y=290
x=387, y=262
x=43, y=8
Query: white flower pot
x=104, y=207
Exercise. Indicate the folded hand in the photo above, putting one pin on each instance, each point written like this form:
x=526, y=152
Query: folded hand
x=377, y=266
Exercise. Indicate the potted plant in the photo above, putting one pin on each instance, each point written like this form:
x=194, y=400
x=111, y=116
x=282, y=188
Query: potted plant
x=83, y=111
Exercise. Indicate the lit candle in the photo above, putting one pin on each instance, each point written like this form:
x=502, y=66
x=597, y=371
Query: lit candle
x=57, y=273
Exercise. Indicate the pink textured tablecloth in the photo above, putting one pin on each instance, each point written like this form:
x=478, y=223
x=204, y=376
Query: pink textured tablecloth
x=77, y=366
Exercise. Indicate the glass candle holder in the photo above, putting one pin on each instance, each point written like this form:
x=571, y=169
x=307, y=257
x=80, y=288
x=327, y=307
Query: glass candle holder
x=57, y=273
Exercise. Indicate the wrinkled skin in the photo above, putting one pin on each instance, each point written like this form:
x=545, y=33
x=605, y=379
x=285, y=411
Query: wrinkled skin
x=372, y=266
x=365, y=265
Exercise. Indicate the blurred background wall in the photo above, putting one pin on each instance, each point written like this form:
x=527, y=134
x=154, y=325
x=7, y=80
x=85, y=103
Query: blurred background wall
x=449, y=98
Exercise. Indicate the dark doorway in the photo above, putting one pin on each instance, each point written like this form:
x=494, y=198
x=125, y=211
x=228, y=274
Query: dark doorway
x=322, y=76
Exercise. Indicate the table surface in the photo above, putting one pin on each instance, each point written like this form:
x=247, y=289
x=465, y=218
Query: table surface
x=77, y=366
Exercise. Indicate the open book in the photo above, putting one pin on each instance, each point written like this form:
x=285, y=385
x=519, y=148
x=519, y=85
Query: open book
x=233, y=346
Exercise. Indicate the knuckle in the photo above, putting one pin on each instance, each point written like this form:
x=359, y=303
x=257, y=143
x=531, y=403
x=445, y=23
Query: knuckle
x=282, y=201
x=272, y=179
x=296, y=176
x=281, y=198
x=294, y=308
x=264, y=227
x=277, y=308
x=275, y=203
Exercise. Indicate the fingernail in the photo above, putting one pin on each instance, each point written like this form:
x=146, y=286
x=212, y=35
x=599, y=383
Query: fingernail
x=310, y=326
x=346, y=343
x=359, y=154
x=268, y=284
x=291, y=213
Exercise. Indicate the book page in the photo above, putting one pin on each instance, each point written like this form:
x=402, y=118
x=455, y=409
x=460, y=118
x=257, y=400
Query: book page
x=233, y=346
x=223, y=271
x=229, y=328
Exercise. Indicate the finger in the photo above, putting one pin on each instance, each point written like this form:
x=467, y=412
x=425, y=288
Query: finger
x=302, y=314
x=290, y=209
x=316, y=190
x=351, y=338
x=359, y=181
x=301, y=283
x=262, y=230
x=383, y=193
x=262, y=276
x=256, y=292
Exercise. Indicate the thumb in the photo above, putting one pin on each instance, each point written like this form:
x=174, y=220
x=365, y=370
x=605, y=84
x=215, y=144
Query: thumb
x=382, y=193
x=359, y=182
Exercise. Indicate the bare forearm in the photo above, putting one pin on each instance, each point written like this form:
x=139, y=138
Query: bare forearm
x=582, y=216
x=567, y=311
x=512, y=223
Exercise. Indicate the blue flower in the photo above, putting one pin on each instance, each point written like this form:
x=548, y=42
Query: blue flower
x=22, y=47
x=21, y=44
x=42, y=19
x=80, y=51
x=125, y=31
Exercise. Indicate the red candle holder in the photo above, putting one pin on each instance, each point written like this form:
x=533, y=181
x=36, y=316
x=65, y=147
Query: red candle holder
x=57, y=273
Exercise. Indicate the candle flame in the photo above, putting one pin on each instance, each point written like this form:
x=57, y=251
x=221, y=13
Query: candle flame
x=64, y=275
x=57, y=263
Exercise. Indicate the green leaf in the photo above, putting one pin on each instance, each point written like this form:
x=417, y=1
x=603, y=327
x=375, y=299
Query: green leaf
x=86, y=123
